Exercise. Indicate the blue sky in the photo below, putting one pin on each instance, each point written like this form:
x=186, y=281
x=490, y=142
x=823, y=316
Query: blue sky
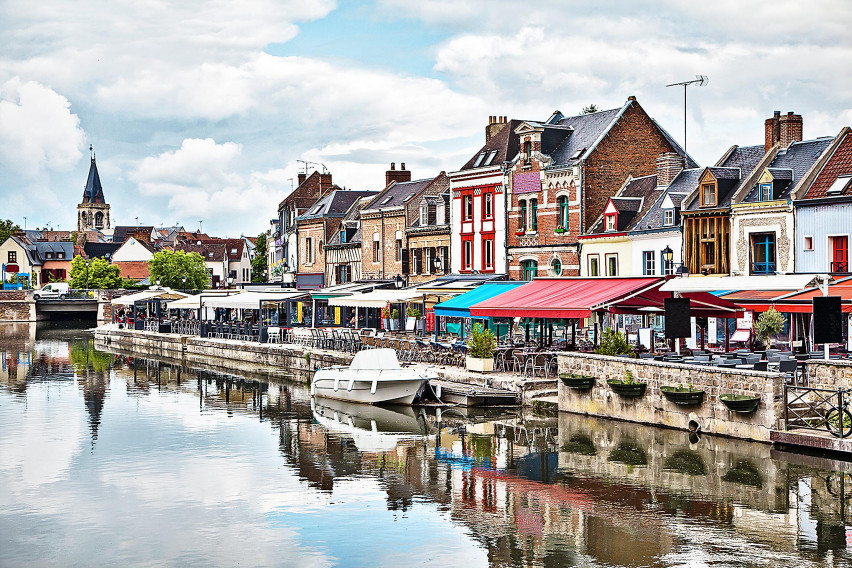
x=200, y=110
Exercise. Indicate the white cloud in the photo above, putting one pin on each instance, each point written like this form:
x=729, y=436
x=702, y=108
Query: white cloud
x=38, y=132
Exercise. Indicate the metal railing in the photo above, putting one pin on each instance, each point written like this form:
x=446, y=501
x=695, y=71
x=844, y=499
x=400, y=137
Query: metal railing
x=817, y=409
x=839, y=267
x=186, y=327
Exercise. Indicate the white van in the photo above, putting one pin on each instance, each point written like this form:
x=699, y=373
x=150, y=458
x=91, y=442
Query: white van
x=52, y=291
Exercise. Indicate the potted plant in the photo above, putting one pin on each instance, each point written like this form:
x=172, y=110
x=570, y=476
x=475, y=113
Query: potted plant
x=386, y=312
x=614, y=343
x=628, y=386
x=683, y=395
x=412, y=316
x=575, y=381
x=521, y=231
x=559, y=229
x=394, y=319
x=740, y=402
x=768, y=325
x=480, y=349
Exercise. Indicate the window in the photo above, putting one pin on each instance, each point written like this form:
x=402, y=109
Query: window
x=765, y=192
x=491, y=157
x=488, y=252
x=233, y=251
x=440, y=213
x=99, y=220
x=398, y=255
x=417, y=255
x=443, y=254
x=612, y=265
x=808, y=243
x=708, y=195
x=48, y=255
x=840, y=185
x=13, y=256
x=668, y=217
x=479, y=159
x=556, y=266
x=763, y=253
x=523, y=221
x=343, y=236
x=529, y=268
x=534, y=214
x=424, y=214
x=839, y=254
x=562, y=206
x=342, y=274
x=527, y=151
x=488, y=206
x=61, y=255
x=377, y=248
x=309, y=250
x=648, y=263
x=467, y=260
x=467, y=207
x=427, y=261
x=594, y=265
x=610, y=222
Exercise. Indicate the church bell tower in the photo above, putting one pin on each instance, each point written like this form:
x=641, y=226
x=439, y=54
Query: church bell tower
x=93, y=211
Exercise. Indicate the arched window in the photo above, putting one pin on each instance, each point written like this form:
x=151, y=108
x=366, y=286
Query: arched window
x=562, y=205
x=99, y=220
x=529, y=268
x=83, y=217
x=556, y=266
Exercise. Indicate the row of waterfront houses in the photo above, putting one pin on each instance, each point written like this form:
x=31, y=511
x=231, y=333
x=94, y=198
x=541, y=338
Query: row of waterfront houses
x=608, y=193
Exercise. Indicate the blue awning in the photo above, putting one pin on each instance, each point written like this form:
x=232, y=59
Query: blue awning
x=460, y=305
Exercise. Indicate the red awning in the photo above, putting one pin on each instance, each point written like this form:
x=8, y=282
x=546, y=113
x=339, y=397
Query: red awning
x=652, y=299
x=561, y=297
x=793, y=302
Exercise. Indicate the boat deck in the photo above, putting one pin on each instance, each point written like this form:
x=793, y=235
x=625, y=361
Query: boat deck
x=473, y=395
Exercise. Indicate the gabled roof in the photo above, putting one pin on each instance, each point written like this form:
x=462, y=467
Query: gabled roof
x=100, y=250
x=334, y=204
x=635, y=197
x=789, y=165
x=135, y=269
x=233, y=247
x=93, y=193
x=29, y=250
x=732, y=170
x=502, y=147
x=838, y=165
x=120, y=233
x=44, y=247
x=397, y=194
x=211, y=252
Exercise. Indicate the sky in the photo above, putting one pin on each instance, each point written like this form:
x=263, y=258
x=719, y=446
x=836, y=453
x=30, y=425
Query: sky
x=198, y=111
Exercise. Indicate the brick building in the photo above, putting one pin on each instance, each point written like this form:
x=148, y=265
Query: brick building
x=427, y=233
x=565, y=172
x=315, y=228
x=343, y=251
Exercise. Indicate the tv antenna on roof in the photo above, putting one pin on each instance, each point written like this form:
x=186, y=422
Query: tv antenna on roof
x=701, y=81
x=307, y=163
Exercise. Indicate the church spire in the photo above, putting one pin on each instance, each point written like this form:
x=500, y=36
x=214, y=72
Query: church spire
x=93, y=193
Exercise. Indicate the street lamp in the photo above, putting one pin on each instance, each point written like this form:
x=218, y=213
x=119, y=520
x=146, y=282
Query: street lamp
x=438, y=264
x=398, y=281
x=668, y=254
x=158, y=281
x=87, y=273
x=183, y=280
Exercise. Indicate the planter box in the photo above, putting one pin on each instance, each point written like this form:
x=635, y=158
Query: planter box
x=684, y=397
x=628, y=389
x=481, y=365
x=579, y=382
x=740, y=403
x=394, y=324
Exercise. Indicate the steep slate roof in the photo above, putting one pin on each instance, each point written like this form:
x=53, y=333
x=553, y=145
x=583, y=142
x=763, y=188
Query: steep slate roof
x=29, y=250
x=93, y=193
x=735, y=168
x=211, y=252
x=632, y=201
x=306, y=193
x=395, y=194
x=120, y=233
x=839, y=164
x=505, y=142
x=791, y=164
x=334, y=204
x=233, y=247
x=100, y=250
x=352, y=220
x=65, y=247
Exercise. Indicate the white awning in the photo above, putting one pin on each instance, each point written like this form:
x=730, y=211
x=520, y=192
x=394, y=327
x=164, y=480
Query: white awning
x=193, y=302
x=130, y=299
x=734, y=283
x=248, y=300
x=376, y=298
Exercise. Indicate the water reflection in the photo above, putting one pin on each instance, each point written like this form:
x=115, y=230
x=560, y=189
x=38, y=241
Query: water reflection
x=183, y=463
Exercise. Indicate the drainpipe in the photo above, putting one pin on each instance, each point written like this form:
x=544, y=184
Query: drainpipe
x=823, y=287
x=382, y=242
x=506, y=202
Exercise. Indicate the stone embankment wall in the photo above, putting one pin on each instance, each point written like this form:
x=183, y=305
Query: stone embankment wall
x=17, y=305
x=712, y=416
x=832, y=374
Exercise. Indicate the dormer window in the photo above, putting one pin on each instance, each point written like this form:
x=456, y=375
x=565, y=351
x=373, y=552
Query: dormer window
x=527, y=151
x=840, y=185
x=668, y=217
x=479, y=159
x=611, y=222
x=708, y=195
x=765, y=192
x=424, y=214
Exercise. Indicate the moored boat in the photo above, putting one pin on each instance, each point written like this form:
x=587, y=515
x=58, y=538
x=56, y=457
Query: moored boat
x=374, y=376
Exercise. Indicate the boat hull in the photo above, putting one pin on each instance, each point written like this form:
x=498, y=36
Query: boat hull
x=368, y=387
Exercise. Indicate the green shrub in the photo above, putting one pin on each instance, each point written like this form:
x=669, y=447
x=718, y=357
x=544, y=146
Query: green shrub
x=481, y=343
x=768, y=324
x=412, y=313
x=613, y=343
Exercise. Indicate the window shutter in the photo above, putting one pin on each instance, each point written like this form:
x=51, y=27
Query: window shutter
x=445, y=256
x=432, y=251
x=405, y=262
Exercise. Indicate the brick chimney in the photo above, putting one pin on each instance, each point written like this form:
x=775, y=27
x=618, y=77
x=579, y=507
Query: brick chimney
x=301, y=179
x=772, y=131
x=324, y=182
x=669, y=165
x=495, y=125
x=397, y=175
x=791, y=129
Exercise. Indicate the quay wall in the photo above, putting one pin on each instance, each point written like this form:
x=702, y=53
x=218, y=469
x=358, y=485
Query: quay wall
x=831, y=374
x=711, y=416
x=17, y=305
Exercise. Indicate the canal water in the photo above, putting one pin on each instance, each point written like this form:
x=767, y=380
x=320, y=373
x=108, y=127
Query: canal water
x=117, y=459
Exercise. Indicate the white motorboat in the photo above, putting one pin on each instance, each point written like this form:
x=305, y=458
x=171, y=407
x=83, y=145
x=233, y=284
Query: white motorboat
x=374, y=376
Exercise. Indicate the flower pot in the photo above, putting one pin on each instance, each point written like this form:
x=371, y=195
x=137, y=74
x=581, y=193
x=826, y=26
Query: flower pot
x=579, y=382
x=627, y=389
x=386, y=323
x=740, y=402
x=409, y=324
x=683, y=396
x=480, y=365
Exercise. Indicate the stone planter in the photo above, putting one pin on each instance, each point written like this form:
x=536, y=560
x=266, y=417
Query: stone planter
x=740, y=403
x=627, y=389
x=480, y=365
x=579, y=382
x=683, y=396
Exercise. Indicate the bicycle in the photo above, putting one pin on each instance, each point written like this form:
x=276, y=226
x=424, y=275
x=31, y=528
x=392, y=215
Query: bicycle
x=838, y=420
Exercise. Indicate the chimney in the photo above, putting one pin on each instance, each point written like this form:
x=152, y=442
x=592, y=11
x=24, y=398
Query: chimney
x=772, y=131
x=495, y=125
x=301, y=178
x=790, y=126
x=325, y=182
x=397, y=175
x=669, y=165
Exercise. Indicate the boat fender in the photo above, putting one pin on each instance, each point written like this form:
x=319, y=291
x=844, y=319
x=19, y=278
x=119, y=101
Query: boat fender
x=438, y=391
x=373, y=388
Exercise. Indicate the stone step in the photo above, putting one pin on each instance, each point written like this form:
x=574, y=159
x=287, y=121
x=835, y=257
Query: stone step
x=540, y=394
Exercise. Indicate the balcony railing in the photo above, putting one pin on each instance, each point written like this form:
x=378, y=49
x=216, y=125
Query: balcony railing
x=763, y=268
x=839, y=267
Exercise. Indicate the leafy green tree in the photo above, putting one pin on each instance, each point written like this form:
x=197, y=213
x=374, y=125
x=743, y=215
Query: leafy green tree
x=768, y=325
x=613, y=343
x=258, y=263
x=7, y=229
x=171, y=266
x=590, y=109
x=98, y=274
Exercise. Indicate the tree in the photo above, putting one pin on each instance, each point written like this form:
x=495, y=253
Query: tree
x=590, y=109
x=98, y=274
x=7, y=229
x=614, y=343
x=171, y=266
x=768, y=325
x=258, y=263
